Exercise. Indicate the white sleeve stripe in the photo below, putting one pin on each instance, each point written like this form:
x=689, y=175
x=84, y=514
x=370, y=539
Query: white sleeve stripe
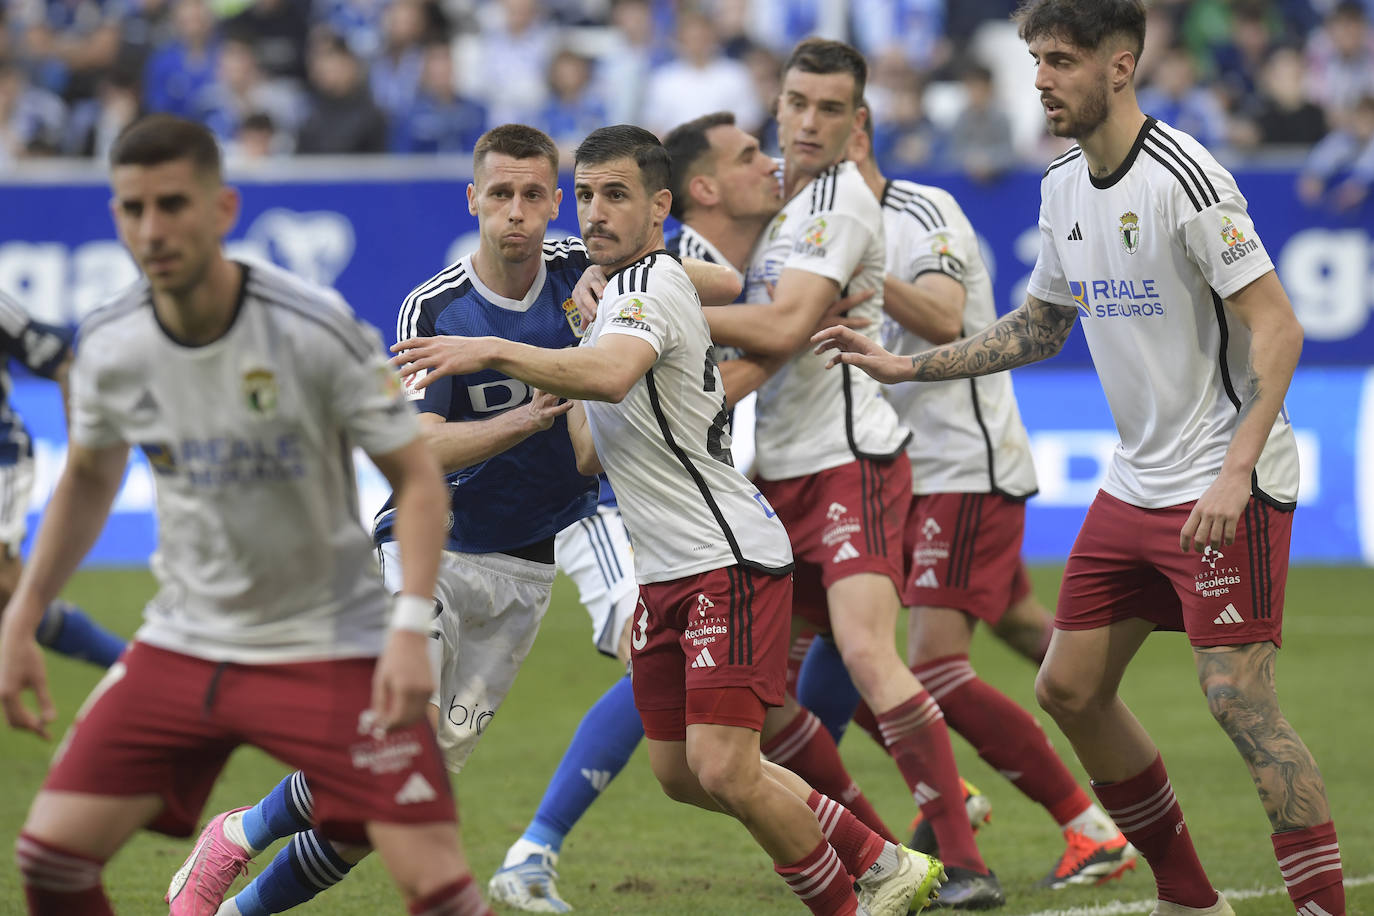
x=408, y=318
x=913, y=199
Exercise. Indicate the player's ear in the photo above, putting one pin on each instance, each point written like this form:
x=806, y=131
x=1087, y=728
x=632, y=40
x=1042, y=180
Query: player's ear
x=1122, y=69
x=472, y=198
x=661, y=203
x=557, y=201
x=703, y=190
x=227, y=203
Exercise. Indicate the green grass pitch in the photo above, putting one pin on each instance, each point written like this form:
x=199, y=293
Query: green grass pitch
x=638, y=853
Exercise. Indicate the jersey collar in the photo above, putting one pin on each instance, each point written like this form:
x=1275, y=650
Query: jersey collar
x=1107, y=181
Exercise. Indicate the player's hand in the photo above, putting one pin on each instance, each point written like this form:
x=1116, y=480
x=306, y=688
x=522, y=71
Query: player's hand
x=544, y=408
x=439, y=356
x=854, y=349
x=1216, y=514
x=835, y=314
x=586, y=295
x=403, y=682
x=21, y=669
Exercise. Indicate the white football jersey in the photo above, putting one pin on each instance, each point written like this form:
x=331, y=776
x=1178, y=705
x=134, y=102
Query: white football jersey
x=666, y=446
x=810, y=419
x=260, y=555
x=967, y=434
x=1147, y=254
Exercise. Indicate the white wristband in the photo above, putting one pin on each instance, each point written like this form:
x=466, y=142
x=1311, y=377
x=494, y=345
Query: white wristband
x=413, y=613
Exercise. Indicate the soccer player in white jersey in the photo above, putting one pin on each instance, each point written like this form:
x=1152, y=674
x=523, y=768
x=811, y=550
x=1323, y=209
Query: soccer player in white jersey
x=972, y=471
x=830, y=451
x=1147, y=238
x=709, y=643
x=246, y=388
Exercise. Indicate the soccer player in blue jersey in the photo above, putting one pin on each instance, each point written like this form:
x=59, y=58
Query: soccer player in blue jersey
x=44, y=350
x=513, y=485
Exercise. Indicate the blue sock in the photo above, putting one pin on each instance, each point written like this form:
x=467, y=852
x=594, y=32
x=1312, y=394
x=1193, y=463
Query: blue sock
x=300, y=870
x=65, y=628
x=600, y=748
x=287, y=809
x=824, y=687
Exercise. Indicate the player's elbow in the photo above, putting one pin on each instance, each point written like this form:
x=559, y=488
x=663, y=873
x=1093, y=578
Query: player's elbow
x=614, y=386
x=784, y=340
x=943, y=332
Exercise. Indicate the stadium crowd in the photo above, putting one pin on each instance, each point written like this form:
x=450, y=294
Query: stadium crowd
x=285, y=77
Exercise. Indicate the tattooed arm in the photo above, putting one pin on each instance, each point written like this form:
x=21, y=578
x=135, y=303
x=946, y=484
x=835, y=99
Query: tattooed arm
x=1035, y=331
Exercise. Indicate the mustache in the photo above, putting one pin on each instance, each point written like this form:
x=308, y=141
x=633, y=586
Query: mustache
x=599, y=231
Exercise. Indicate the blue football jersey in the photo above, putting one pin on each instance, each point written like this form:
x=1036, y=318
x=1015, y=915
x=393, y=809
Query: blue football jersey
x=41, y=348
x=531, y=491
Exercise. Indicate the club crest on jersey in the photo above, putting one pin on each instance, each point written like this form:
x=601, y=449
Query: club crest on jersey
x=1130, y=231
x=260, y=392
x=574, y=316
x=774, y=229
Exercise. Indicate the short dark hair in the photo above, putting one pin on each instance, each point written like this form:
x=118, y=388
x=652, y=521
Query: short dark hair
x=822, y=55
x=518, y=141
x=159, y=138
x=1084, y=24
x=625, y=141
x=686, y=144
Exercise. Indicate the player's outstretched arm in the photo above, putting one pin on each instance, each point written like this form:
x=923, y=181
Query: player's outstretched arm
x=781, y=327
x=403, y=681
x=584, y=447
x=604, y=372
x=458, y=444
x=716, y=284
x=74, y=518
x=1275, y=344
x=1035, y=331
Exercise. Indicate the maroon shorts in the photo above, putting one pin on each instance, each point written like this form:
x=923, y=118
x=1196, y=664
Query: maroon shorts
x=163, y=723
x=710, y=648
x=842, y=522
x=964, y=553
x=1127, y=563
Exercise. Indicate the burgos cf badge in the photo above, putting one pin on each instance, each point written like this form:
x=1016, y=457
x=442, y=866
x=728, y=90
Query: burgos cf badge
x=260, y=392
x=1130, y=231
x=574, y=316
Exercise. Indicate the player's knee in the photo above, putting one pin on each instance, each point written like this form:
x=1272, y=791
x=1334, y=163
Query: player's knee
x=1059, y=696
x=52, y=868
x=678, y=786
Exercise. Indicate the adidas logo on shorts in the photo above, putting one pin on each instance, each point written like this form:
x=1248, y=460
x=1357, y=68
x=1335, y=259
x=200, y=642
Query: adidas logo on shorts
x=704, y=660
x=846, y=552
x=416, y=791
x=927, y=580
x=1229, y=617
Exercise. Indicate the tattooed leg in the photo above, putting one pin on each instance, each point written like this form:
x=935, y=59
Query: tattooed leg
x=1239, y=684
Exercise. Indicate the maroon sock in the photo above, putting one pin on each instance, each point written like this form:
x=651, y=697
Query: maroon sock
x=916, y=737
x=1004, y=735
x=58, y=882
x=1145, y=809
x=1310, y=862
x=458, y=898
x=857, y=846
x=864, y=718
x=821, y=882
x=806, y=748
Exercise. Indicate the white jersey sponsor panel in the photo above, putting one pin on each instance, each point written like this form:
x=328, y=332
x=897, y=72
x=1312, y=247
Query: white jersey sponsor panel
x=967, y=434
x=1147, y=254
x=260, y=556
x=808, y=419
x=666, y=446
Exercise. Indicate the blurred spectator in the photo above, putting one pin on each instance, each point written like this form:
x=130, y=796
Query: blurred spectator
x=256, y=141
x=395, y=71
x=623, y=71
x=1240, y=60
x=1347, y=153
x=574, y=109
x=904, y=137
x=779, y=24
x=915, y=27
x=68, y=44
x=963, y=18
x=241, y=88
x=701, y=80
x=358, y=22
x=277, y=31
x=1161, y=34
x=516, y=45
x=145, y=26
x=1282, y=114
x=31, y=117
x=95, y=123
x=1340, y=60
x=765, y=69
x=179, y=72
x=980, y=140
x=343, y=117
x=1175, y=98
x=439, y=120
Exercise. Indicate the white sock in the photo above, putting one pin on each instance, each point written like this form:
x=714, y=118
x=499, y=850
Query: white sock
x=1094, y=824
x=889, y=861
x=233, y=832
